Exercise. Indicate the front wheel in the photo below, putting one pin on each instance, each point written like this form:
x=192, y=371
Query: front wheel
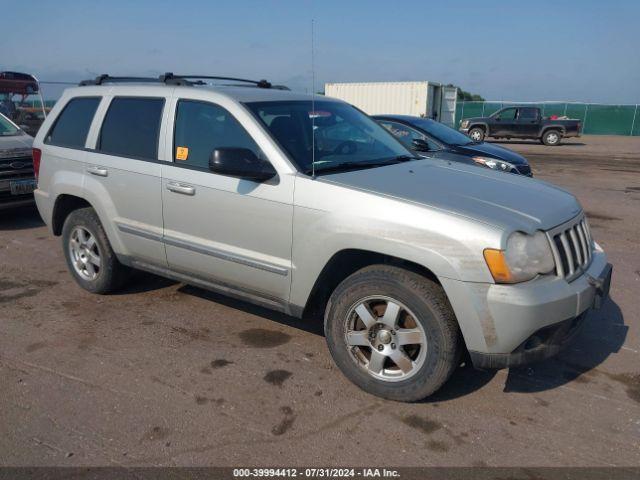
x=551, y=138
x=476, y=134
x=392, y=332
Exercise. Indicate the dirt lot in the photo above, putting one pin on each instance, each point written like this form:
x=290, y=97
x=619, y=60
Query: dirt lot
x=166, y=374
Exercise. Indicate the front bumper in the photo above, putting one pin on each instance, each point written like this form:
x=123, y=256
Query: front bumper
x=543, y=344
x=509, y=325
x=16, y=201
x=464, y=130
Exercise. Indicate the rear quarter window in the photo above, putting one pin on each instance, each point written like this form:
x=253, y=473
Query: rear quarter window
x=131, y=127
x=71, y=127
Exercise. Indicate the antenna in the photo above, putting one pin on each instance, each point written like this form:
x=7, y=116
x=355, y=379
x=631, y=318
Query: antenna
x=313, y=106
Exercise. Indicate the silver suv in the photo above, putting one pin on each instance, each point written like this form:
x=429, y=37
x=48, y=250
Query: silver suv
x=306, y=205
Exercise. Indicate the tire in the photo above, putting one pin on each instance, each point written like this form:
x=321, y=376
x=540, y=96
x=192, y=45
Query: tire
x=551, y=138
x=424, y=316
x=476, y=134
x=89, y=255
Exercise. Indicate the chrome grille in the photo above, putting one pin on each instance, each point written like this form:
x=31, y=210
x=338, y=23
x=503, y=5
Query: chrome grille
x=16, y=167
x=572, y=247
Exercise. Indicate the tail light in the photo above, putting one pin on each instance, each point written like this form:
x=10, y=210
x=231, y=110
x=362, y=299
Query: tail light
x=37, y=155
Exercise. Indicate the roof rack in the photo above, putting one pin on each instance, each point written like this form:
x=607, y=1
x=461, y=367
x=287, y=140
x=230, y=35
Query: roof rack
x=171, y=79
x=106, y=78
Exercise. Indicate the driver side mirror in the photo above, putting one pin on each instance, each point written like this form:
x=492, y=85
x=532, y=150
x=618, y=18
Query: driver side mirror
x=420, y=145
x=240, y=163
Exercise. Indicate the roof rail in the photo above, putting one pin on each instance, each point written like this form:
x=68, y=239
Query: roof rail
x=171, y=79
x=106, y=78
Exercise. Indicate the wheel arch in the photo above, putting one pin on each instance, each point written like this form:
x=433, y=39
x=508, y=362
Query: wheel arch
x=63, y=206
x=559, y=128
x=346, y=262
x=480, y=125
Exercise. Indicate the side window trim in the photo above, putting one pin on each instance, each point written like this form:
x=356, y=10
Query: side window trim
x=96, y=125
x=96, y=145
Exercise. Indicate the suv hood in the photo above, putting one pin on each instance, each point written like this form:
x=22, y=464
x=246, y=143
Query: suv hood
x=511, y=202
x=19, y=143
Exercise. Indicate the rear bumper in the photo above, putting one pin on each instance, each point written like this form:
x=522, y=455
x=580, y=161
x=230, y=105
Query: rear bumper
x=45, y=208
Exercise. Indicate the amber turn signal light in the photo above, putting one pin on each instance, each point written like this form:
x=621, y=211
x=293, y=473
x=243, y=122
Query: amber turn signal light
x=497, y=265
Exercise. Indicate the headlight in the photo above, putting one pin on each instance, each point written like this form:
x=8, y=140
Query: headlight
x=525, y=257
x=493, y=163
x=464, y=123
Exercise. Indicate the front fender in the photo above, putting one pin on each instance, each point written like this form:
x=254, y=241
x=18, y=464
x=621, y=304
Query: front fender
x=484, y=125
x=448, y=245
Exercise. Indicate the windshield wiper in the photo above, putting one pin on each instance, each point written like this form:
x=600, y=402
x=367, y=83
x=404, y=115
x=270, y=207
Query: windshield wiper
x=346, y=166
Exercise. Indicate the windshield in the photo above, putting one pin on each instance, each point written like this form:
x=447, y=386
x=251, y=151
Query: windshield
x=344, y=137
x=441, y=132
x=7, y=128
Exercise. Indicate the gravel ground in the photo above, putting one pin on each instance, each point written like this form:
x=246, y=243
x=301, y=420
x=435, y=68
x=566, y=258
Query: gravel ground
x=167, y=374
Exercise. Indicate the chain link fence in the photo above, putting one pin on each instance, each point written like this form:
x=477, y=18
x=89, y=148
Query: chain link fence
x=596, y=118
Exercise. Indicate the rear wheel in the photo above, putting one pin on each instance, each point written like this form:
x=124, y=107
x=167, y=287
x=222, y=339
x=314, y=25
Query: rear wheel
x=89, y=255
x=476, y=134
x=392, y=332
x=551, y=138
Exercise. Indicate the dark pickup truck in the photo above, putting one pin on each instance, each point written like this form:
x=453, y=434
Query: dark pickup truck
x=521, y=122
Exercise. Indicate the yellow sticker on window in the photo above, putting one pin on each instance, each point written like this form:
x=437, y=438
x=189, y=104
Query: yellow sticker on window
x=182, y=153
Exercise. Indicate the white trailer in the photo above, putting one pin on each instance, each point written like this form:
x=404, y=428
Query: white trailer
x=420, y=99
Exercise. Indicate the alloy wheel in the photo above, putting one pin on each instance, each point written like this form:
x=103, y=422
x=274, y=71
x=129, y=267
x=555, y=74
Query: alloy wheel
x=385, y=339
x=85, y=255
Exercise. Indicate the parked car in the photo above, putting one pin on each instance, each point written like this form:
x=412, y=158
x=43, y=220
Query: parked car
x=432, y=139
x=17, y=180
x=306, y=205
x=17, y=82
x=521, y=122
x=29, y=119
x=24, y=113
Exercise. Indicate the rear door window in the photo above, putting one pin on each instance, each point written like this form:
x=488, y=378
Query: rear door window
x=131, y=127
x=527, y=113
x=72, y=125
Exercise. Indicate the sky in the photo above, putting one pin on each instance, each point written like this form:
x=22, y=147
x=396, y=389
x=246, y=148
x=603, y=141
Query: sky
x=503, y=50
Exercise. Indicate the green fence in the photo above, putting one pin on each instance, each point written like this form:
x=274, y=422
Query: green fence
x=597, y=119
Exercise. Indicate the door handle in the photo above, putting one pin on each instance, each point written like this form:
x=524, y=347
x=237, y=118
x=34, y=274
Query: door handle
x=182, y=188
x=99, y=171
